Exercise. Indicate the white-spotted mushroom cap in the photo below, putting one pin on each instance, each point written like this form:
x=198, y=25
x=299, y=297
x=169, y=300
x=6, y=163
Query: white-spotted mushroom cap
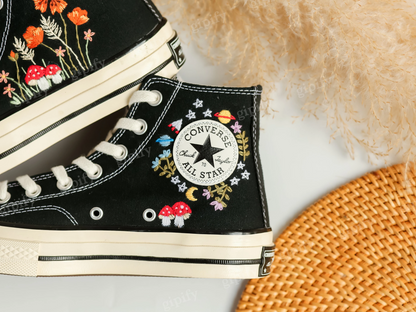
x=166, y=212
x=52, y=70
x=34, y=73
x=180, y=209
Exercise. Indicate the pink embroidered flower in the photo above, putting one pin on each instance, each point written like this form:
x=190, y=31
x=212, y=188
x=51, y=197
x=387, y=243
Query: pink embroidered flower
x=236, y=127
x=8, y=90
x=88, y=35
x=3, y=76
x=206, y=193
x=217, y=205
x=60, y=52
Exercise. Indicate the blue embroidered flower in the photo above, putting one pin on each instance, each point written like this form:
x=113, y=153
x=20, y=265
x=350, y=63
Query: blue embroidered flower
x=165, y=154
x=155, y=163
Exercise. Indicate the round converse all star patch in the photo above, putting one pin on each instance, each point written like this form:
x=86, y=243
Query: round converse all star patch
x=205, y=152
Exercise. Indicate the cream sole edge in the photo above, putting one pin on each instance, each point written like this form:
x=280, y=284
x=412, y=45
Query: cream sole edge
x=89, y=90
x=20, y=250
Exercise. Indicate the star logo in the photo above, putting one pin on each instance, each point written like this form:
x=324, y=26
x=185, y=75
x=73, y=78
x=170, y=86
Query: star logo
x=206, y=151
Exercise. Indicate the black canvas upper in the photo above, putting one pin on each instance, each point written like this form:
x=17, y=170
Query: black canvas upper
x=127, y=188
x=116, y=27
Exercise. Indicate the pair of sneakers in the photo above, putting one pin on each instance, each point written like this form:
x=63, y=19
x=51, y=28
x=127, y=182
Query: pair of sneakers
x=176, y=190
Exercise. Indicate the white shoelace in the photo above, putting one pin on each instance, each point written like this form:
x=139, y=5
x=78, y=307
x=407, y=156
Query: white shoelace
x=93, y=171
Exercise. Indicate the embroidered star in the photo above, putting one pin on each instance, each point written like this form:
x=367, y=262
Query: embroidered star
x=182, y=187
x=234, y=181
x=175, y=180
x=236, y=127
x=240, y=165
x=191, y=115
x=207, y=113
x=198, y=103
x=245, y=175
x=206, y=151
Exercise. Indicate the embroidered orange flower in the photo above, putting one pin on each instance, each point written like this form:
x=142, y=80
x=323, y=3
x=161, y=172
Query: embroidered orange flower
x=78, y=16
x=55, y=5
x=12, y=54
x=33, y=36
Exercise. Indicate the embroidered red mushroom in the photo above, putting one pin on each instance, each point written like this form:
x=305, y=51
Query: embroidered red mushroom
x=166, y=214
x=182, y=212
x=54, y=72
x=36, y=76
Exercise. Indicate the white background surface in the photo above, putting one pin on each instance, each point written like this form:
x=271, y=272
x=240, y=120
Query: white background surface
x=300, y=166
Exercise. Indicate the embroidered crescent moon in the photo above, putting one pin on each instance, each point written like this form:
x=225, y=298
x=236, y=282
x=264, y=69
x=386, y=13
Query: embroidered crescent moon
x=189, y=193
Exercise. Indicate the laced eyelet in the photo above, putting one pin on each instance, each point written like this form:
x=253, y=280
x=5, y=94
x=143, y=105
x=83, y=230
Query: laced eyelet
x=149, y=215
x=96, y=213
x=144, y=129
x=36, y=193
x=96, y=175
x=159, y=98
x=124, y=153
x=6, y=199
x=65, y=187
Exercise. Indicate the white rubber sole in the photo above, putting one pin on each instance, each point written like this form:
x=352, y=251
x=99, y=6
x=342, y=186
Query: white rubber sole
x=23, y=125
x=67, y=253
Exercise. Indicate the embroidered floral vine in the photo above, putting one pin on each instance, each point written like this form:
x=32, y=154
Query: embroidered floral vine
x=164, y=164
x=242, y=141
x=31, y=78
x=221, y=190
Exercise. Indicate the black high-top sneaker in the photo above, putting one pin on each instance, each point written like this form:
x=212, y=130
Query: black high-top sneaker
x=67, y=64
x=176, y=191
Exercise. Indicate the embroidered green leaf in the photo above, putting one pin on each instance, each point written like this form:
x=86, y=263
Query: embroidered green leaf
x=242, y=146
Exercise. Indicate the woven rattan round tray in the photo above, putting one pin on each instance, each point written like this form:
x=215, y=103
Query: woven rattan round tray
x=353, y=250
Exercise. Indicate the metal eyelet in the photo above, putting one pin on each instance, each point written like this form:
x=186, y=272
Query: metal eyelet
x=1, y=7
x=5, y=200
x=36, y=193
x=65, y=187
x=159, y=98
x=123, y=154
x=149, y=215
x=144, y=129
x=96, y=213
x=96, y=175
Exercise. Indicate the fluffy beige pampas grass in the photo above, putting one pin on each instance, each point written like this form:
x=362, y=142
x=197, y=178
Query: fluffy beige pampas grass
x=354, y=61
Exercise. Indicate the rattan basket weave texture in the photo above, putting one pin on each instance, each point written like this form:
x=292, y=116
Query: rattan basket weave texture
x=353, y=250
